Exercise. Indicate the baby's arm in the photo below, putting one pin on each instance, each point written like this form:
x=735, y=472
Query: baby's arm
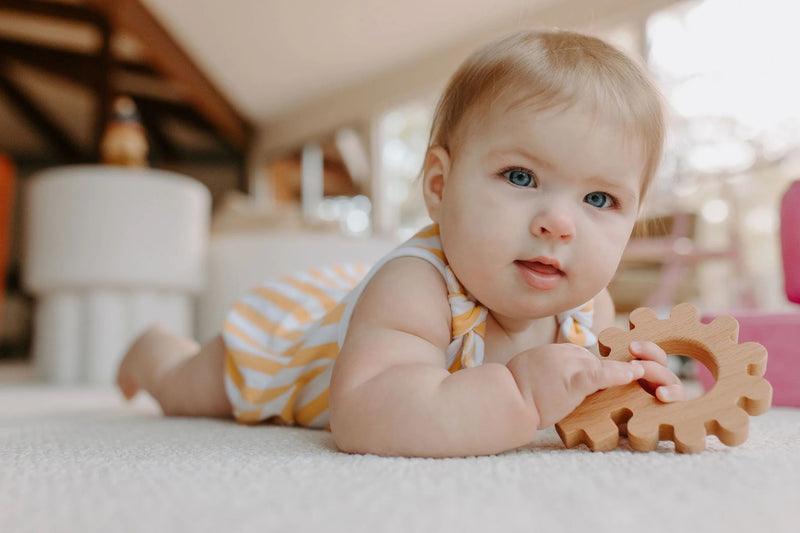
x=392, y=395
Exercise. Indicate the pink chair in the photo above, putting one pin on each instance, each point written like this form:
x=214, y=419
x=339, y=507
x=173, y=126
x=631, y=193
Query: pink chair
x=778, y=332
x=790, y=241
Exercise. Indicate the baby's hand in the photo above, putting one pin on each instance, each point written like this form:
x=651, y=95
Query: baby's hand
x=557, y=377
x=658, y=378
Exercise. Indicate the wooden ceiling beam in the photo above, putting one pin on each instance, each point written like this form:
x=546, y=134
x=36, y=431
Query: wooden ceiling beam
x=170, y=59
x=102, y=88
x=168, y=86
x=77, y=67
x=66, y=64
x=84, y=70
x=182, y=112
x=71, y=12
x=51, y=131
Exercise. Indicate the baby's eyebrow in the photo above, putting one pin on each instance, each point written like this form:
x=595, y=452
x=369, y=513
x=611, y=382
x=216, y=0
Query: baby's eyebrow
x=537, y=161
x=603, y=182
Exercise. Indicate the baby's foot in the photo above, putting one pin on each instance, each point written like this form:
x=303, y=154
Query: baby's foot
x=127, y=385
x=138, y=363
x=153, y=353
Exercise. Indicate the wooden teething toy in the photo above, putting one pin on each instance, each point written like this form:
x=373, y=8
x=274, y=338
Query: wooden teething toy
x=739, y=387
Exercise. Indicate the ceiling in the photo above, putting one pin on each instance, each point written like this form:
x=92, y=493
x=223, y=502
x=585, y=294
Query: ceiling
x=214, y=77
x=274, y=55
x=299, y=69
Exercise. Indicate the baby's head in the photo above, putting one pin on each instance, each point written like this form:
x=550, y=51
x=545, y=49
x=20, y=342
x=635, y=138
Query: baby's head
x=541, y=150
x=553, y=69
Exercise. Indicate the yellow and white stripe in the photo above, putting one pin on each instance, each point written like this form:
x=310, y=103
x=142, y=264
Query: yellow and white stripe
x=283, y=337
x=575, y=325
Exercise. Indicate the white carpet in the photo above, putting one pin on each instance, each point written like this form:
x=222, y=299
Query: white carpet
x=82, y=460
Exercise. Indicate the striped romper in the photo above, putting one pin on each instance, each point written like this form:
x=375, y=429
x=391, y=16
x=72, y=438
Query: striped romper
x=283, y=337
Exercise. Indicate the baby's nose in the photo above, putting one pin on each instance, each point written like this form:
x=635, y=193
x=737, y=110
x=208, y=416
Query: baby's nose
x=554, y=223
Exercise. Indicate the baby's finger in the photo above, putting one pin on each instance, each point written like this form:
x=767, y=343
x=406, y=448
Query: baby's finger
x=649, y=351
x=608, y=374
x=671, y=393
x=657, y=374
x=661, y=382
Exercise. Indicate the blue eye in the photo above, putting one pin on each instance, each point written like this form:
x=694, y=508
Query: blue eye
x=599, y=199
x=520, y=178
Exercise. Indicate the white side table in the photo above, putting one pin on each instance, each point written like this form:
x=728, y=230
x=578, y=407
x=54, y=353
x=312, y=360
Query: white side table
x=109, y=251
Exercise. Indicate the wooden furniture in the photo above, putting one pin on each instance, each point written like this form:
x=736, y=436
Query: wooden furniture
x=739, y=388
x=678, y=253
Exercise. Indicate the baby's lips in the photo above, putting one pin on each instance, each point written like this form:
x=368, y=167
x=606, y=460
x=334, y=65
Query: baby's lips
x=543, y=268
x=540, y=276
x=546, y=266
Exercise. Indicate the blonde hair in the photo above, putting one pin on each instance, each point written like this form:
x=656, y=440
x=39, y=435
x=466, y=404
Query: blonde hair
x=546, y=69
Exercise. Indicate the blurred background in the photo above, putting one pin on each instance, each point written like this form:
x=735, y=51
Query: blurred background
x=312, y=116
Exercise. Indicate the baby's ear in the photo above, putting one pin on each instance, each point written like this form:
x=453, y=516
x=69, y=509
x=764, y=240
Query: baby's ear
x=434, y=176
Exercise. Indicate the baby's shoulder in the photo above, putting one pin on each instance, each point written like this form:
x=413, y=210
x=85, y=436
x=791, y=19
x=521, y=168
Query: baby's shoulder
x=407, y=278
x=406, y=293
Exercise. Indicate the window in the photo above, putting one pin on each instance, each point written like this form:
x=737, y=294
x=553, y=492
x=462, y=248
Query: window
x=727, y=72
x=403, y=134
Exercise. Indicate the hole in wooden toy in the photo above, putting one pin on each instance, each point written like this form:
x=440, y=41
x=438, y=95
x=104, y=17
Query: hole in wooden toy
x=693, y=363
x=703, y=377
x=621, y=418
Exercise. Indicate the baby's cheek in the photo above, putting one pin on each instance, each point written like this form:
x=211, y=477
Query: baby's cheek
x=607, y=256
x=615, y=242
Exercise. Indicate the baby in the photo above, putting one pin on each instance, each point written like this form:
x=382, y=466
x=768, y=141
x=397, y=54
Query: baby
x=476, y=332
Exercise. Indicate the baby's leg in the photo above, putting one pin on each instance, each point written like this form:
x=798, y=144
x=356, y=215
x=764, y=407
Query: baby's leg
x=184, y=378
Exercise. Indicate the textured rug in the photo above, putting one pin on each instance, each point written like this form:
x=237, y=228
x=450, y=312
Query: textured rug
x=82, y=460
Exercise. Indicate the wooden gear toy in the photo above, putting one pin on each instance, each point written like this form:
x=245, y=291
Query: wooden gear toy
x=739, y=387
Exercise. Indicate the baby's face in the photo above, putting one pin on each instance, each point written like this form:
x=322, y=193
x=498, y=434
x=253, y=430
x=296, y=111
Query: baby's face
x=537, y=208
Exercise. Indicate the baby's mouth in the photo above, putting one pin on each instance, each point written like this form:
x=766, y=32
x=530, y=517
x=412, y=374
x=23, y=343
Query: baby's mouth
x=542, y=268
x=540, y=275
